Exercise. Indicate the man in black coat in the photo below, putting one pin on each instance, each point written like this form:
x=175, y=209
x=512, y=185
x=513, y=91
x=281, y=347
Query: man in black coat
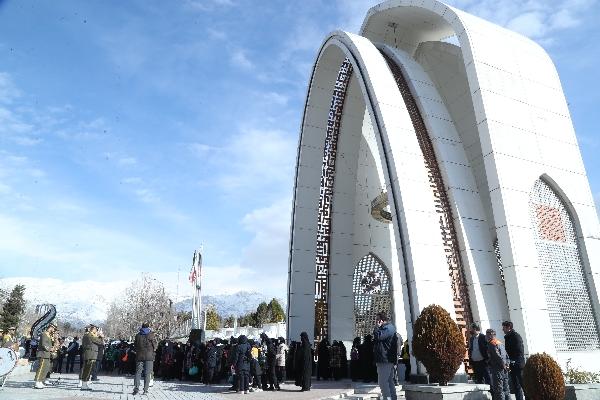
x=516, y=353
x=145, y=347
x=478, y=355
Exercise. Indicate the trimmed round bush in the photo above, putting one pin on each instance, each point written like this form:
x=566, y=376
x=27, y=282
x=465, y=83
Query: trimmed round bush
x=438, y=343
x=543, y=379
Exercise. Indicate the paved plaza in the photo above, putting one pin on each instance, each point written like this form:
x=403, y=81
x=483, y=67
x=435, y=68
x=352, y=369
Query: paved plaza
x=120, y=388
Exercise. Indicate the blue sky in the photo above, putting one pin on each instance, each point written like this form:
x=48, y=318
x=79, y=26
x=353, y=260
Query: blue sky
x=132, y=132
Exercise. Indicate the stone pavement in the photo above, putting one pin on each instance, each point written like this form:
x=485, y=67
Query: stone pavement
x=20, y=387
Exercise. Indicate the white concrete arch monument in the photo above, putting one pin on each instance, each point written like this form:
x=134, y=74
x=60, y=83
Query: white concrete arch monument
x=456, y=167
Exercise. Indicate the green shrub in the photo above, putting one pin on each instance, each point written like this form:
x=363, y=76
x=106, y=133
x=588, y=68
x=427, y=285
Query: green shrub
x=543, y=378
x=438, y=343
x=575, y=375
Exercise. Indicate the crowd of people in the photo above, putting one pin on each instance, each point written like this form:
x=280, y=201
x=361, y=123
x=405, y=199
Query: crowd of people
x=262, y=364
x=494, y=362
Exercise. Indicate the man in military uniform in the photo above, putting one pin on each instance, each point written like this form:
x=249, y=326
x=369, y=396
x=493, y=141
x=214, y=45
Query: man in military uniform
x=90, y=342
x=9, y=339
x=53, y=355
x=43, y=354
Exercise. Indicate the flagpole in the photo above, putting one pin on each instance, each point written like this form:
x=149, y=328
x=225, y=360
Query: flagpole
x=196, y=280
x=199, y=285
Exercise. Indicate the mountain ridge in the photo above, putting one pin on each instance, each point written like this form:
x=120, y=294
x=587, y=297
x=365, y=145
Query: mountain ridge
x=82, y=302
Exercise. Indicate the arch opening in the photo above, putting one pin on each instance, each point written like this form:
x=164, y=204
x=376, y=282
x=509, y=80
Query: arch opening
x=372, y=287
x=574, y=325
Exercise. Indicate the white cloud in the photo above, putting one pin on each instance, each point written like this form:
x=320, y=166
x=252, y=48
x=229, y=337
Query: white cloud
x=267, y=252
x=256, y=159
x=208, y=5
x=126, y=161
x=530, y=24
x=540, y=20
x=146, y=195
x=132, y=180
x=216, y=34
x=83, y=249
x=202, y=149
x=240, y=59
x=8, y=90
x=5, y=189
x=274, y=97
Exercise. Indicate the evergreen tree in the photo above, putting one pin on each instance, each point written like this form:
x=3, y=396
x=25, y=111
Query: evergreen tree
x=262, y=314
x=13, y=308
x=213, y=320
x=276, y=313
x=229, y=322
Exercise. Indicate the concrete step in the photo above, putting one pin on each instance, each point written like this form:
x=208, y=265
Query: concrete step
x=363, y=396
x=366, y=388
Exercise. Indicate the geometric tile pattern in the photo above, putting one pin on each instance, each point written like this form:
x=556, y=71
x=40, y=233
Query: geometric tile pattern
x=372, y=289
x=549, y=223
x=574, y=326
x=334, y=121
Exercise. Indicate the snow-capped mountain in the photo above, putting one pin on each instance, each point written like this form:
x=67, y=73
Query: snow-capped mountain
x=84, y=302
x=78, y=303
x=238, y=304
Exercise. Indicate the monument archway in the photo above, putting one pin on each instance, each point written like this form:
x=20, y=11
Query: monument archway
x=450, y=137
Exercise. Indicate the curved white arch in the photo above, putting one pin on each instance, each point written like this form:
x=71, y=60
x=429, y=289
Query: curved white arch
x=374, y=77
x=513, y=95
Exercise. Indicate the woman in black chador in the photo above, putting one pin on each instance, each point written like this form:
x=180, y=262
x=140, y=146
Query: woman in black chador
x=304, y=359
x=323, y=359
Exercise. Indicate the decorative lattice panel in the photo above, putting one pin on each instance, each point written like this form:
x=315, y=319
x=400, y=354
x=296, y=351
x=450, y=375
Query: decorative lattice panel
x=499, y=262
x=334, y=122
x=372, y=289
x=462, y=304
x=574, y=325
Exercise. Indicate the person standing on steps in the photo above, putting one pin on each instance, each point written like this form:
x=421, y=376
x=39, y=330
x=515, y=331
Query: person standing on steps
x=385, y=351
x=145, y=347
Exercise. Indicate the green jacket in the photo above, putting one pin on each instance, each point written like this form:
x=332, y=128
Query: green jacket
x=90, y=344
x=44, y=346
